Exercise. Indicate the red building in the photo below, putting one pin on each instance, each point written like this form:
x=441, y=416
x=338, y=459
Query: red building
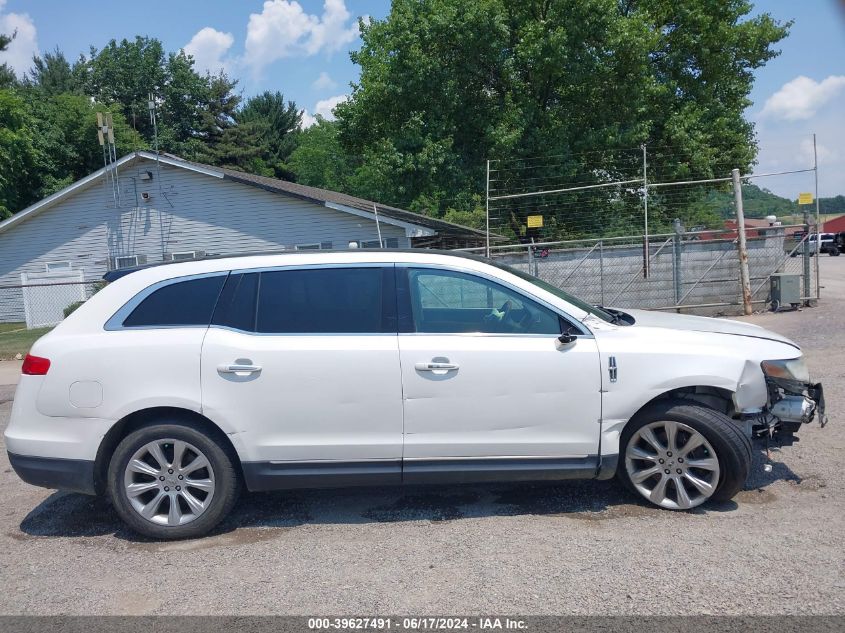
x=836, y=225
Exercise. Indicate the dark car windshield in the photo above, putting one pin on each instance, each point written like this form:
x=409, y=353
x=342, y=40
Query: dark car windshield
x=578, y=303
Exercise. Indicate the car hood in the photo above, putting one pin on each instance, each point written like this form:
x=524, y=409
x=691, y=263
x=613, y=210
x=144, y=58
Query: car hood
x=646, y=318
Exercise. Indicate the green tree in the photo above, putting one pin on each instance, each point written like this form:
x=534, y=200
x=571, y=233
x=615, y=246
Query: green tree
x=279, y=121
x=319, y=159
x=53, y=75
x=66, y=133
x=242, y=147
x=7, y=75
x=447, y=84
x=191, y=109
x=20, y=160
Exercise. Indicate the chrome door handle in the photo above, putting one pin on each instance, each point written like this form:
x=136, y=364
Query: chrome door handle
x=432, y=366
x=238, y=369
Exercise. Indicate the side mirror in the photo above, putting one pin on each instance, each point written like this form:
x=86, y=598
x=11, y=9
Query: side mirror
x=566, y=338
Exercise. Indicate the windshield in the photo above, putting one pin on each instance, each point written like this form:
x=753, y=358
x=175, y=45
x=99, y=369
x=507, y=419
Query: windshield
x=578, y=303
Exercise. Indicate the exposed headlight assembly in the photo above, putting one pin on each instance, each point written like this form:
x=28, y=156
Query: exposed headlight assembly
x=791, y=374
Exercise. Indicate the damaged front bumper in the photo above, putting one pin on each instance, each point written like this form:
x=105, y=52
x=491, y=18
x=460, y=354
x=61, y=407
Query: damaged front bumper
x=790, y=406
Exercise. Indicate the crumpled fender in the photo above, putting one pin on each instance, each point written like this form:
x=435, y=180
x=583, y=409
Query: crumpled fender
x=751, y=393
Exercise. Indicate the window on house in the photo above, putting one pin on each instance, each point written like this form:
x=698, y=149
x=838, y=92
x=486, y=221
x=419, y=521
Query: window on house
x=126, y=261
x=57, y=266
x=322, y=246
x=389, y=242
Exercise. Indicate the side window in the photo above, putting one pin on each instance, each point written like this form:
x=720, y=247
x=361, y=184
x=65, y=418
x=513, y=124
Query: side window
x=327, y=300
x=449, y=302
x=185, y=303
x=236, y=306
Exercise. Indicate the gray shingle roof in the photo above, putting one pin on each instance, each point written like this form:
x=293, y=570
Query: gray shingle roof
x=316, y=194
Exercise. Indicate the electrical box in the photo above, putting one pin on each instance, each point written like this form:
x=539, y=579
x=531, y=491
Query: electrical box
x=785, y=290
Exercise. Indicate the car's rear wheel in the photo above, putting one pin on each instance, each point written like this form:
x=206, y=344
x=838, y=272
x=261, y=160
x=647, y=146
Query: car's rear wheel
x=679, y=455
x=171, y=481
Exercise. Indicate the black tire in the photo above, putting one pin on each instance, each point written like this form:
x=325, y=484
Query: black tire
x=834, y=252
x=732, y=447
x=225, y=475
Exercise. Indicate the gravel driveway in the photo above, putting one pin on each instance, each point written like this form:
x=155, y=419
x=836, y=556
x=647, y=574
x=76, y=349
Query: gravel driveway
x=567, y=548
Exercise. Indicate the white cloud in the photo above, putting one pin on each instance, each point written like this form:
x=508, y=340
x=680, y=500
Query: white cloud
x=307, y=119
x=323, y=110
x=208, y=48
x=21, y=50
x=802, y=97
x=324, y=82
x=284, y=29
x=325, y=107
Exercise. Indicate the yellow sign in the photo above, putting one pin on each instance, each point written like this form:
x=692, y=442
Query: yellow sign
x=805, y=198
x=535, y=221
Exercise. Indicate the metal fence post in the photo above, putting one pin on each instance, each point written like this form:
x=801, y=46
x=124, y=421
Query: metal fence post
x=528, y=254
x=744, y=278
x=808, y=244
x=601, y=270
x=676, y=260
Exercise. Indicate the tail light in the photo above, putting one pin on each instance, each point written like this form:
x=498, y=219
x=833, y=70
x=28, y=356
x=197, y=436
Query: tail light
x=35, y=365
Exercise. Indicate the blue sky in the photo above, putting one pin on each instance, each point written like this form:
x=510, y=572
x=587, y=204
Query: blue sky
x=301, y=48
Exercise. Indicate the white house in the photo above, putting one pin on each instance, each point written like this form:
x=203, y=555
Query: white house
x=148, y=208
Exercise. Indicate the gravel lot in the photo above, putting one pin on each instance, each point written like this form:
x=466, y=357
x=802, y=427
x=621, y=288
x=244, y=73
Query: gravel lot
x=568, y=548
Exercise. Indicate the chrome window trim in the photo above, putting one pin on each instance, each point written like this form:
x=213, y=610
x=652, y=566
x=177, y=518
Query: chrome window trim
x=585, y=331
x=299, y=334
x=115, y=322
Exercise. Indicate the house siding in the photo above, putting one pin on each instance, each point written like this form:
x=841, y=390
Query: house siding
x=187, y=211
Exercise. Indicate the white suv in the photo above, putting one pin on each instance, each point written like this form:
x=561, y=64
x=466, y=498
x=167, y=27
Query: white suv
x=176, y=384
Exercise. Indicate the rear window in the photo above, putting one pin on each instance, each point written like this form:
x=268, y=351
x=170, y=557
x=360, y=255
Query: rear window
x=236, y=306
x=327, y=300
x=184, y=303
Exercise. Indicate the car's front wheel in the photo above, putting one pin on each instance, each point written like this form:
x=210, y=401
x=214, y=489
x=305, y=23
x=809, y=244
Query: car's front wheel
x=679, y=455
x=171, y=481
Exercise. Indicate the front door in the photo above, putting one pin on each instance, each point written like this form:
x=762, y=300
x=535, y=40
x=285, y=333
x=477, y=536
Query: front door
x=303, y=366
x=488, y=387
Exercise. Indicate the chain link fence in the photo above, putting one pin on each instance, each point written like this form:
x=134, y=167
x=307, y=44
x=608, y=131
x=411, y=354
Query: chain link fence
x=43, y=302
x=631, y=228
x=687, y=270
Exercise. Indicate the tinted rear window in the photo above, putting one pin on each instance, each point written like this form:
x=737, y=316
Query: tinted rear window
x=328, y=300
x=236, y=307
x=182, y=303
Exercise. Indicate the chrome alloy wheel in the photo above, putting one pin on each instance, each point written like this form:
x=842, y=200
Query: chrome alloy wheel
x=672, y=465
x=169, y=482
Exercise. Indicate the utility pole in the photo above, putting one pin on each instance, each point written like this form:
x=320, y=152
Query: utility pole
x=818, y=219
x=646, y=249
x=744, y=279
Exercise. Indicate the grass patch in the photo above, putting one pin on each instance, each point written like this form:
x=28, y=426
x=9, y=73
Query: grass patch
x=6, y=327
x=19, y=342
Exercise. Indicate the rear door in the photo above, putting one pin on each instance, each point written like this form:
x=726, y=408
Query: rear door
x=304, y=363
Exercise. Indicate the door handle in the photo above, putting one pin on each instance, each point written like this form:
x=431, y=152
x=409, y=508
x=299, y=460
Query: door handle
x=432, y=366
x=238, y=369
